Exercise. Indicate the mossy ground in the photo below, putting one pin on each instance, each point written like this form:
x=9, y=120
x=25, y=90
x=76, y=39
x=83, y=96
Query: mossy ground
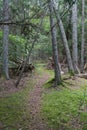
x=14, y=109
x=65, y=108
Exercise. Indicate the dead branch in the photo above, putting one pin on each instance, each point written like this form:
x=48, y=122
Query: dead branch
x=82, y=75
x=24, y=64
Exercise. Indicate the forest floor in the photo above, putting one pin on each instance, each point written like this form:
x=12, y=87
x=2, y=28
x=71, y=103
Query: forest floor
x=20, y=107
x=35, y=105
x=37, y=122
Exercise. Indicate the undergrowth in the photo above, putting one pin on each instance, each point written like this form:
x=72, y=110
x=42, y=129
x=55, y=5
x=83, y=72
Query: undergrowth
x=66, y=108
x=63, y=108
x=14, y=109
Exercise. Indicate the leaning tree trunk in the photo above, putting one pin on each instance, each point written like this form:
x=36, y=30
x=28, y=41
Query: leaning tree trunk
x=65, y=42
x=24, y=64
x=54, y=46
x=82, y=45
x=74, y=36
x=5, y=38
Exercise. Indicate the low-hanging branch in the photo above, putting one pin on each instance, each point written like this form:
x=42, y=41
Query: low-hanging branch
x=21, y=22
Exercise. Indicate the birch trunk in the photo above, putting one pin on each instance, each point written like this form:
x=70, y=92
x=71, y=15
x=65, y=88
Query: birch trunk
x=82, y=45
x=5, y=38
x=54, y=46
x=65, y=42
x=74, y=36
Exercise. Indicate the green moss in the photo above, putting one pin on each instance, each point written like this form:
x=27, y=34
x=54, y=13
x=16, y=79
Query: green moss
x=62, y=105
x=83, y=117
x=14, y=108
x=71, y=73
x=49, y=83
x=59, y=106
x=85, y=127
x=14, y=111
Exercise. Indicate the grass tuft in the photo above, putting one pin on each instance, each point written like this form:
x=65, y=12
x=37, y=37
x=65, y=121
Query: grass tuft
x=14, y=110
x=62, y=107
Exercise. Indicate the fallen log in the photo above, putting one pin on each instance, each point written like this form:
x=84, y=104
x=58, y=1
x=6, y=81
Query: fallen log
x=82, y=75
x=15, y=71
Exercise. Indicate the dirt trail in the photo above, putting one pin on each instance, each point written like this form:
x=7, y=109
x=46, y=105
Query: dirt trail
x=36, y=121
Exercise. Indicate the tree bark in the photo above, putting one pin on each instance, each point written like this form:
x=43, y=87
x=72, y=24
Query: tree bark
x=74, y=36
x=65, y=42
x=54, y=46
x=5, y=38
x=83, y=35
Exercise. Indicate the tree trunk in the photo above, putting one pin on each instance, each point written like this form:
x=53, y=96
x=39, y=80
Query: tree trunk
x=24, y=64
x=65, y=42
x=54, y=46
x=5, y=38
x=74, y=36
x=82, y=45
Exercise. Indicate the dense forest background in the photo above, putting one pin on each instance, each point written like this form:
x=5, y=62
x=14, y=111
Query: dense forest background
x=43, y=45
x=26, y=27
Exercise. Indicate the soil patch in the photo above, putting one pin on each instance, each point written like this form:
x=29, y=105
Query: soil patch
x=8, y=86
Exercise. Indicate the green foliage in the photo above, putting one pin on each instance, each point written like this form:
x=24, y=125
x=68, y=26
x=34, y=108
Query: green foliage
x=14, y=38
x=71, y=73
x=70, y=2
x=42, y=49
x=16, y=47
x=46, y=24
